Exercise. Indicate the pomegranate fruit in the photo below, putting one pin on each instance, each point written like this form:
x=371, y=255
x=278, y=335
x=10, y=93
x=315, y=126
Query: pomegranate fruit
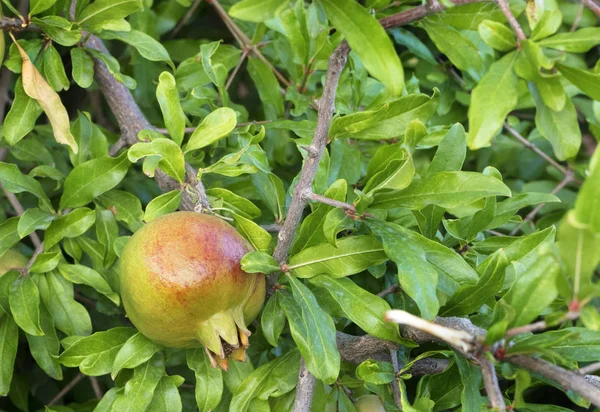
x=11, y=259
x=182, y=285
x=369, y=403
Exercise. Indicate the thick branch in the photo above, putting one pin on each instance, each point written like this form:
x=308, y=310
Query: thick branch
x=565, y=378
x=304, y=389
x=593, y=6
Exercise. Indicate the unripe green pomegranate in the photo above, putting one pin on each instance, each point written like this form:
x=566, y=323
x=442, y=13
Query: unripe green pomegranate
x=369, y=403
x=182, y=285
x=11, y=259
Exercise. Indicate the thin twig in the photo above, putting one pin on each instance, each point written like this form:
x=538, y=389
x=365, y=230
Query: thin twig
x=593, y=6
x=569, y=380
x=492, y=388
x=12, y=199
x=504, y=6
x=236, y=69
x=395, y=384
x=304, y=389
x=331, y=202
x=531, y=215
x=538, y=326
x=272, y=228
x=185, y=19
x=96, y=387
x=388, y=291
x=594, y=367
x=66, y=389
x=537, y=151
x=38, y=250
x=577, y=18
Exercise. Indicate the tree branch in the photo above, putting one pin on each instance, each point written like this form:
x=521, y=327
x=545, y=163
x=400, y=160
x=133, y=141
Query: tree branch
x=12, y=199
x=567, y=379
x=538, y=326
x=593, y=6
x=66, y=389
x=504, y=6
x=591, y=368
x=395, y=384
x=304, y=389
x=492, y=388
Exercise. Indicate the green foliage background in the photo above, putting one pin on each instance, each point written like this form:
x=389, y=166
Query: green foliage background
x=468, y=156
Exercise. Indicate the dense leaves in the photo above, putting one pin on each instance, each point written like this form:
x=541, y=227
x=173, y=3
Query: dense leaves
x=459, y=176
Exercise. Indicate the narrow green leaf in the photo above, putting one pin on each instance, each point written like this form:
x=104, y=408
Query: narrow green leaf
x=16, y=182
x=256, y=11
x=214, y=127
x=82, y=68
x=44, y=349
x=34, y=219
x=71, y=225
x=166, y=397
x=171, y=157
x=497, y=35
x=313, y=331
x=92, y=178
x=168, y=99
x=38, y=6
x=83, y=275
x=137, y=350
x=24, y=300
x=209, y=380
x=9, y=341
x=147, y=46
x=259, y=262
x=21, y=118
x=352, y=255
x=272, y=320
x=368, y=39
x=259, y=238
x=101, y=11
x=139, y=390
x=163, y=204
x=486, y=115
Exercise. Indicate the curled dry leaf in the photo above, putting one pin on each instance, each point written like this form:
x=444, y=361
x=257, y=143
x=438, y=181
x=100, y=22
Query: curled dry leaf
x=37, y=88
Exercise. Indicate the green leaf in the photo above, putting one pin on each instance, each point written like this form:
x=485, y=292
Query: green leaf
x=377, y=373
x=71, y=225
x=416, y=276
x=163, y=204
x=361, y=307
x=313, y=331
x=458, y=48
x=16, y=182
x=268, y=88
x=368, y=39
x=256, y=235
x=576, y=343
x=388, y=121
x=38, y=6
x=214, y=127
x=487, y=115
x=352, y=255
x=24, y=299
x=166, y=397
x=240, y=205
x=21, y=118
x=69, y=316
x=83, y=275
x=274, y=378
x=451, y=151
x=9, y=341
x=47, y=261
x=59, y=29
x=168, y=99
x=533, y=291
x=92, y=178
x=107, y=230
x=497, y=35
x=561, y=128
x=272, y=320
x=396, y=176
x=53, y=68
x=469, y=298
x=580, y=41
x=209, y=380
x=34, y=219
x=137, y=350
x=170, y=154
x=588, y=199
x=127, y=206
x=101, y=11
x=44, y=349
x=8, y=234
x=470, y=376
x=585, y=80
x=507, y=208
x=95, y=354
x=139, y=390
x=82, y=68
x=148, y=47
x=445, y=189
x=113, y=66
x=256, y=11
x=259, y=262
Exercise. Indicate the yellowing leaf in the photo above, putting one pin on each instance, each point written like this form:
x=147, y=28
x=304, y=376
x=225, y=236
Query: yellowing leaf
x=37, y=88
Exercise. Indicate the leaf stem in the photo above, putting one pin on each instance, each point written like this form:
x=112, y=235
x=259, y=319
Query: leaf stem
x=504, y=6
x=538, y=326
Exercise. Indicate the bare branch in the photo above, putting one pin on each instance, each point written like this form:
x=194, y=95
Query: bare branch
x=186, y=18
x=96, y=387
x=417, y=13
x=567, y=379
x=492, y=388
x=304, y=389
x=331, y=202
x=395, y=384
x=593, y=6
x=66, y=389
x=538, y=326
x=12, y=199
x=504, y=6
x=388, y=291
x=594, y=367
x=38, y=250
x=537, y=151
